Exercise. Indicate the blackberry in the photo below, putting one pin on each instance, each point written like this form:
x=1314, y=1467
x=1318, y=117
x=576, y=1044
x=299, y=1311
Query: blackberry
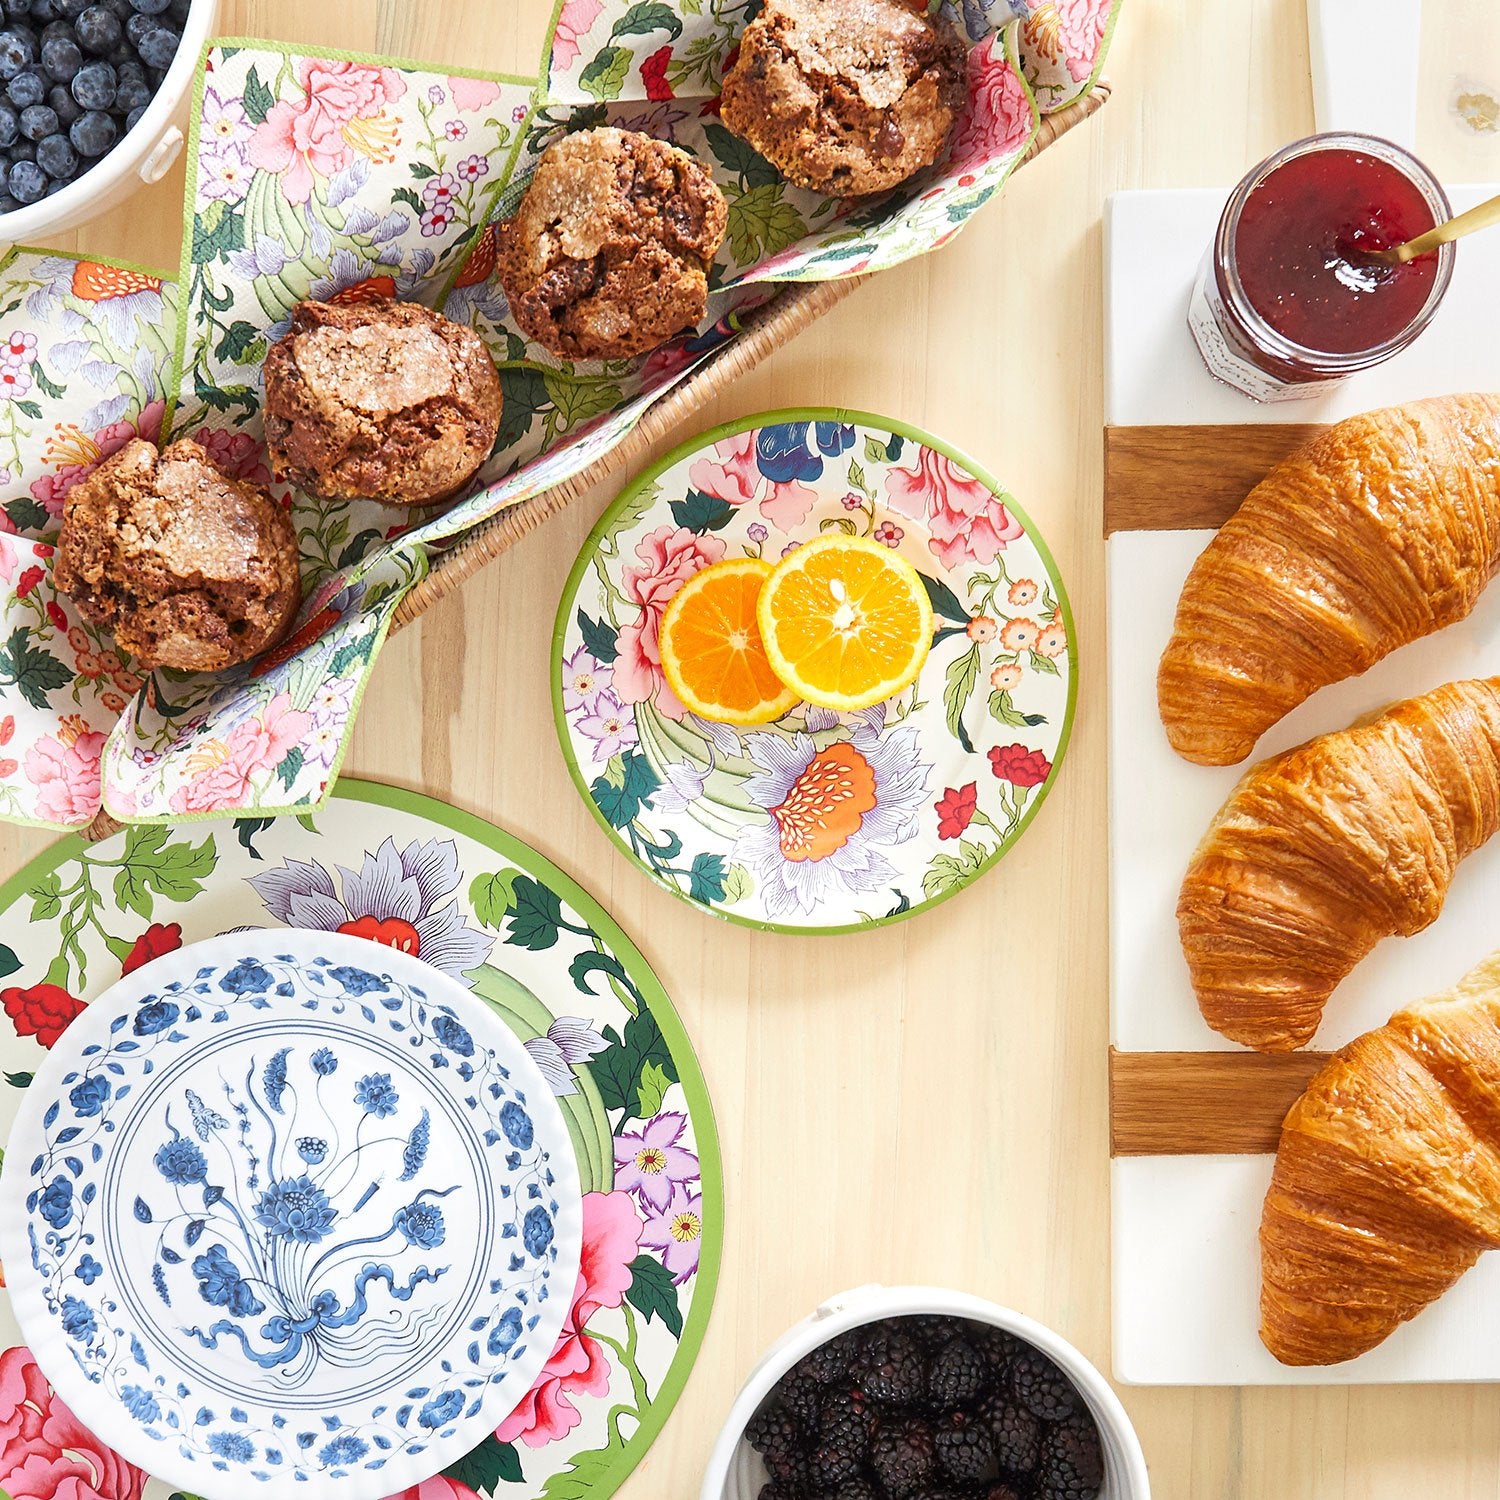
x=999, y=1348
x=838, y=1456
x=1041, y=1387
x=966, y=1449
x=774, y=1434
x=1000, y=1489
x=858, y=1488
x=1017, y=1434
x=802, y=1396
x=890, y=1367
x=956, y=1375
x=828, y=1364
x=844, y=1418
x=932, y=1330
x=903, y=1456
x=773, y=1489
x=1072, y=1463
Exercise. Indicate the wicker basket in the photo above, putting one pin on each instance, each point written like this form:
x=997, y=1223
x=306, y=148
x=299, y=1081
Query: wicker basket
x=765, y=329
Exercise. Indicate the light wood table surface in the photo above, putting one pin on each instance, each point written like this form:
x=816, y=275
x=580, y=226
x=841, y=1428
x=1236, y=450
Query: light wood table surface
x=925, y=1103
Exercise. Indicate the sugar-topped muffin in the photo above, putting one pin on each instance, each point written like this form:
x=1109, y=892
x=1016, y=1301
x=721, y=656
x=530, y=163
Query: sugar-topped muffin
x=186, y=566
x=846, y=96
x=379, y=400
x=609, y=250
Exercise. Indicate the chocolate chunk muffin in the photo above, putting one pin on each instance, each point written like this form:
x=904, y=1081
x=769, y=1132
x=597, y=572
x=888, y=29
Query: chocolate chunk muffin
x=187, y=566
x=608, y=253
x=846, y=96
x=379, y=400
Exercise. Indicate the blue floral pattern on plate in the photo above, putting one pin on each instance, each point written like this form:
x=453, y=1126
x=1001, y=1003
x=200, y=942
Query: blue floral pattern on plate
x=303, y=1211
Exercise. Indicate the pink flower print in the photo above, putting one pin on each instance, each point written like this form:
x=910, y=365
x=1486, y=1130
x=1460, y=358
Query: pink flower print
x=317, y=135
x=786, y=506
x=439, y=1487
x=473, y=93
x=472, y=168
x=7, y=558
x=731, y=475
x=609, y=724
x=66, y=777
x=255, y=746
x=677, y=1232
x=670, y=555
x=236, y=453
x=437, y=219
x=77, y=455
x=455, y=130
x=438, y=191
x=889, y=533
x=1082, y=27
x=579, y=1365
x=650, y=1163
x=851, y=501
x=574, y=20
x=967, y=521
x=1000, y=117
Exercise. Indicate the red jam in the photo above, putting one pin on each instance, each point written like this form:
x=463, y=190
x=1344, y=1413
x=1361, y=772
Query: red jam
x=1299, y=242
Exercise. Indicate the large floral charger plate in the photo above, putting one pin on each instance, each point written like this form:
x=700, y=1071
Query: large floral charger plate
x=949, y=773
x=461, y=896
x=286, y=1207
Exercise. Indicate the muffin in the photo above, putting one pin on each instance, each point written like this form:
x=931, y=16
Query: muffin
x=846, y=96
x=187, y=566
x=609, y=250
x=379, y=400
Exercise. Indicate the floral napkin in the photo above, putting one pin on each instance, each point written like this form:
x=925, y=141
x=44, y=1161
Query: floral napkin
x=330, y=176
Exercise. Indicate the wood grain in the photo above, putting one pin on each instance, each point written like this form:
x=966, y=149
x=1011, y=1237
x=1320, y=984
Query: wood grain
x=927, y=1102
x=1202, y=1103
x=1189, y=478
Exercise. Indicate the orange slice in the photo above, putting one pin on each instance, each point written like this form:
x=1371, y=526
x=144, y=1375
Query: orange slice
x=711, y=650
x=846, y=623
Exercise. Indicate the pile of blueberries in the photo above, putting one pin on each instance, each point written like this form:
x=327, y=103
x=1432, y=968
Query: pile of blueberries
x=75, y=75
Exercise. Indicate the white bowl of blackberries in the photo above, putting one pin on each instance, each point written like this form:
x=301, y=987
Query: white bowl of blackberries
x=91, y=95
x=914, y=1393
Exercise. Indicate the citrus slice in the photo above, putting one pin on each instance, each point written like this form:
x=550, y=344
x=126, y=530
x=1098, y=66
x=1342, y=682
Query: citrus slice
x=846, y=623
x=711, y=650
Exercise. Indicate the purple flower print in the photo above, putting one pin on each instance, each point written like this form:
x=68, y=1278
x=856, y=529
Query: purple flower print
x=437, y=219
x=455, y=130
x=223, y=122
x=395, y=899
x=677, y=1232
x=570, y=1041
x=224, y=173
x=584, y=677
x=650, y=1163
x=756, y=532
x=436, y=94
x=472, y=168
x=609, y=724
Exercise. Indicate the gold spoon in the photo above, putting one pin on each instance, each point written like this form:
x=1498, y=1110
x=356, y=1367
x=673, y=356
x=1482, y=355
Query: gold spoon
x=1479, y=217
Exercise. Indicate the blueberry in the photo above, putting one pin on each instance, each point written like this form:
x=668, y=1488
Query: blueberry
x=17, y=10
x=60, y=97
x=10, y=125
x=61, y=58
x=159, y=48
x=129, y=71
x=22, y=150
x=70, y=10
x=26, y=88
x=17, y=51
x=94, y=85
x=38, y=120
x=56, y=157
x=150, y=7
x=92, y=133
x=99, y=31
x=43, y=11
x=27, y=182
x=7, y=203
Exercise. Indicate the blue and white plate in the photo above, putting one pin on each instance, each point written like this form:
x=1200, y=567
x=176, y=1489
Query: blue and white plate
x=288, y=1206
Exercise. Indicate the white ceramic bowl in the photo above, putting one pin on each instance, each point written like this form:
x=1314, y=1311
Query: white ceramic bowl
x=142, y=155
x=735, y=1471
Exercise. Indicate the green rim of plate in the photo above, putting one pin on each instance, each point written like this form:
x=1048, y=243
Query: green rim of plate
x=707, y=439
x=690, y=1072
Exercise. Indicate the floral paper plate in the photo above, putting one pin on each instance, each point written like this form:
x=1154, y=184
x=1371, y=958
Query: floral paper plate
x=288, y=1207
x=949, y=772
x=509, y=927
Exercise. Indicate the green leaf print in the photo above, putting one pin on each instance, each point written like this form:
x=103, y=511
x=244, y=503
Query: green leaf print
x=238, y=337
x=706, y=878
x=536, y=915
x=217, y=231
x=46, y=898
x=944, y=601
x=699, y=512
x=605, y=76
x=621, y=805
x=761, y=222
x=651, y=1091
x=19, y=1081
x=287, y=771
x=578, y=400
x=599, y=637
x=258, y=98
x=1003, y=710
x=409, y=198
x=591, y=961
x=525, y=395
x=652, y=1293
x=33, y=671
x=176, y=871
x=489, y=1465
x=49, y=388
x=739, y=157
x=590, y=1473
x=9, y=963
x=739, y=884
x=26, y=514
x=28, y=409
x=492, y=896
x=948, y=871
x=958, y=683
x=647, y=16
x=619, y=1069
x=1040, y=663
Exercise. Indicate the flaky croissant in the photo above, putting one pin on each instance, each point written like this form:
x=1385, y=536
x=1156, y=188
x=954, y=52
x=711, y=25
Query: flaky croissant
x=1323, y=850
x=1387, y=1180
x=1384, y=528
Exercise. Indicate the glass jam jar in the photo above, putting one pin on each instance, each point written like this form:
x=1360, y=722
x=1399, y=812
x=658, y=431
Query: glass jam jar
x=1288, y=301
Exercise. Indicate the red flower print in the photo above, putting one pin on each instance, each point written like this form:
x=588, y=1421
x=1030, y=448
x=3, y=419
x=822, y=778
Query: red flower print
x=392, y=932
x=1020, y=766
x=955, y=810
x=152, y=943
x=7, y=728
x=654, y=74
x=28, y=581
x=43, y=1011
x=371, y=289
x=56, y=615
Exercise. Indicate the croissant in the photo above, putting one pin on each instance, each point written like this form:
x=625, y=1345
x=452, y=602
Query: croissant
x=1325, y=849
x=1383, y=529
x=1387, y=1180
